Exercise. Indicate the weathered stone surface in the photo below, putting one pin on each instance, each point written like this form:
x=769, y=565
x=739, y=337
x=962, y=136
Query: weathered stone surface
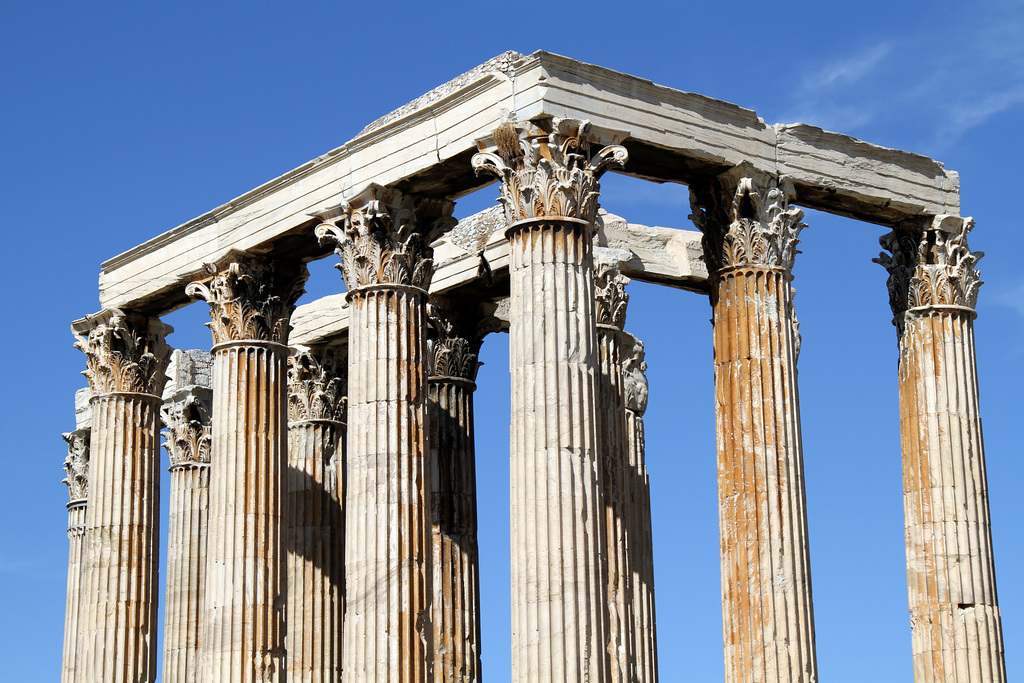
x=954, y=611
x=750, y=237
x=76, y=468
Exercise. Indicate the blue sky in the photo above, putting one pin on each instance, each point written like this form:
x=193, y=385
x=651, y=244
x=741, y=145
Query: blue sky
x=122, y=120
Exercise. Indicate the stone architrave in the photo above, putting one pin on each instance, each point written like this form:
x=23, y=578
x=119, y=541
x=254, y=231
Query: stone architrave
x=954, y=611
x=549, y=190
x=641, y=546
x=76, y=468
x=251, y=299
x=383, y=238
x=613, y=451
x=186, y=413
x=750, y=237
x=453, y=348
x=125, y=362
x=314, y=517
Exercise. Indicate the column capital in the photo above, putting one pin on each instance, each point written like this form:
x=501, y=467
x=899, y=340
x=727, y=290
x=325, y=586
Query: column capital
x=746, y=219
x=546, y=168
x=125, y=352
x=76, y=464
x=930, y=264
x=457, y=329
x=317, y=383
x=610, y=286
x=251, y=298
x=383, y=237
x=634, y=376
x=187, y=418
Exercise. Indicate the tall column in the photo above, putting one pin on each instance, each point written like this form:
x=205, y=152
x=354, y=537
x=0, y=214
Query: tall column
x=750, y=238
x=382, y=238
x=314, y=518
x=549, y=190
x=458, y=329
x=76, y=467
x=186, y=415
x=242, y=638
x=126, y=357
x=613, y=452
x=641, y=548
x=954, y=611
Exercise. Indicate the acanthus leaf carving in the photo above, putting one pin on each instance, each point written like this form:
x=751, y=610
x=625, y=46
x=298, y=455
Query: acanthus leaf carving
x=610, y=290
x=125, y=352
x=186, y=416
x=383, y=237
x=930, y=264
x=547, y=169
x=457, y=330
x=76, y=464
x=634, y=377
x=251, y=299
x=317, y=383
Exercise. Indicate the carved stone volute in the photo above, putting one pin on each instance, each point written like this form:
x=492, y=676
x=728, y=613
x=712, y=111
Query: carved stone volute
x=317, y=383
x=610, y=288
x=547, y=170
x=746, y=219
x=634, y=377
x=76, y=464
x=457, y=329
x=125, y=352
x=930, y=264
x=383, y=237
x=251, y=298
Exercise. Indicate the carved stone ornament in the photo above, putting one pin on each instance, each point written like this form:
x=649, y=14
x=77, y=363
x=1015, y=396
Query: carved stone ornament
x=76, y=464
x=930, y=264
x=250, y=298
x=746, y=220
x=187, y=419
x=546, y=169
x=317, y=383
x=124, y=352
x=457, y=330
x=610, y=291
x=634, y=378
x=383, y=237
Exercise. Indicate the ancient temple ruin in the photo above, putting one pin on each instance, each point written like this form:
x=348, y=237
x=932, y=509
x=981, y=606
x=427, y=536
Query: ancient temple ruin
x=322, y=517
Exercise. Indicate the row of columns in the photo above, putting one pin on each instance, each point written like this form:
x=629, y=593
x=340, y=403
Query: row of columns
x=404, y=572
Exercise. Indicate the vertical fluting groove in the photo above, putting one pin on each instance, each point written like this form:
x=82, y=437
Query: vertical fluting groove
x=645, y=645
x=314, y=524
x=559, y=611
x=456, y=588
x=388, y=633
x=118, y=609
x=243, y=611
x=957, y=630
x=186, y=560
x=766, y=590
x=76, y=534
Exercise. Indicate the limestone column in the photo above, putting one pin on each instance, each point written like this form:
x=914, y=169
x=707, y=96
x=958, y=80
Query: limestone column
x=242, y=638
x=458, y=328
x=382, y=237
x=549, y=190
x=954, y=611
x=185, y=414
x=613, y=452
x=76, y=467
x=126, y=357
x=641, y=548
x=314, y=518
x=750, y=238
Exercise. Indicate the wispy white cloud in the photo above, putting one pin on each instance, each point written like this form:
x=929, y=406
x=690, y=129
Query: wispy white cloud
x=848, y=69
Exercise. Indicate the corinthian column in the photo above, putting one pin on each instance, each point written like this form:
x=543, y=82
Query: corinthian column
x=382, y=238
x=459, y=327
x=549, y=190
x=314, y=518
x=126, y=357
x=954, y=612
x=750, y=238
x=613, y=450
x=186, y=415
x=76, y=467
x=242, y=638
x=641, y=546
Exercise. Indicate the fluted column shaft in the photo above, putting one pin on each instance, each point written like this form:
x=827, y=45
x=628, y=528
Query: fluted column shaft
x=315, y=529
x=76, y=532
x=750, y=242
x=954, y=609
x=456, y=590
